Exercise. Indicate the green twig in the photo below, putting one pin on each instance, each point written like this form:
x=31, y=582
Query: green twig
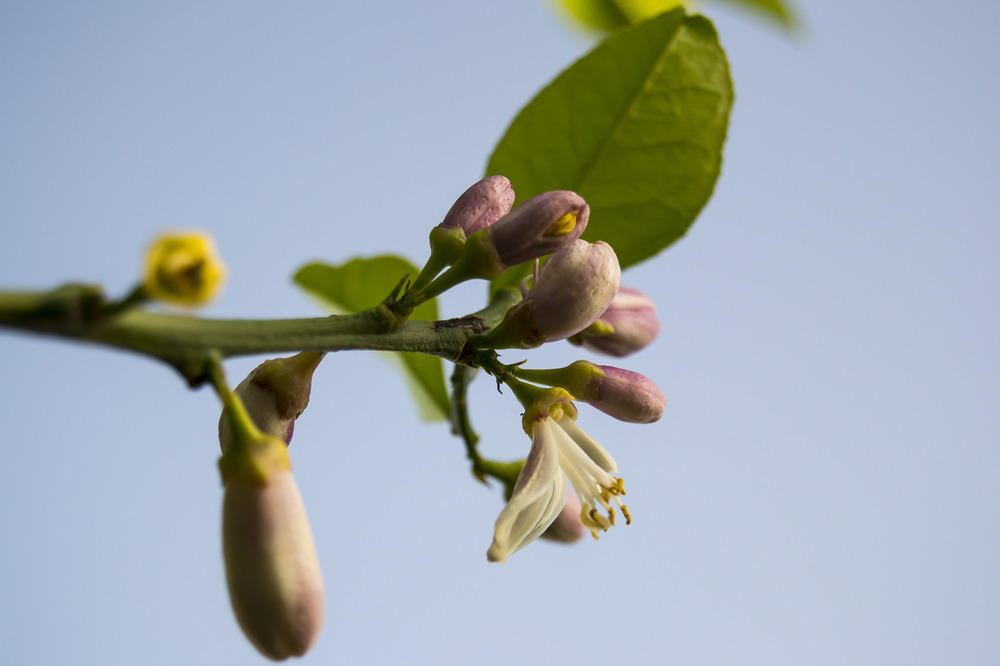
x=504, y=472
x=80, y=313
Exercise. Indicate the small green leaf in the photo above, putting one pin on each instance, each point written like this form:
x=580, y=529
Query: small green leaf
x=362, y=283
x=636, y=127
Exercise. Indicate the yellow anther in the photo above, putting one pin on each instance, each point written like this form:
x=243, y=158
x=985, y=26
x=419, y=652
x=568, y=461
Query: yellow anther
x=594, y=534
x=628, y=518
x=599, y=520
x=563, y=225
x=587, y=518
x=611, y=516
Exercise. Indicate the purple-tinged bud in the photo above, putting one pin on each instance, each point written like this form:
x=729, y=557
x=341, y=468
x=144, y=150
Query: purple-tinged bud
x=572, y=290
x=272, y=570
x=481, y=205
x=539, y=226
x=628, y=325
x=623, y=394
x=627, y=396
x=275, y=393
x=566, y=528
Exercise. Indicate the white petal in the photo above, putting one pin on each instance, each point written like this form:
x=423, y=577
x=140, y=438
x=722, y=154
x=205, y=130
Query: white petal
x=538, y=497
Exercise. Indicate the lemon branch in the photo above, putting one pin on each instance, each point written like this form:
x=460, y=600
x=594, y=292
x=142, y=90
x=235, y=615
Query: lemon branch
x=189, y=344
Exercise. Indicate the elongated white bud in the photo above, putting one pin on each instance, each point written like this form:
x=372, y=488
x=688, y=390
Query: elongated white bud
x=272, y=569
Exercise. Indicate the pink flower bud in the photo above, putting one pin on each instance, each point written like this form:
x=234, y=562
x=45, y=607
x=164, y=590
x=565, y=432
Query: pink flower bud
x=539, y=226
x=566, y=528
x=573, y=288
x=481, y=205
x=628, y=325
x=275, y=393
x=627, y=396
x=623, y=394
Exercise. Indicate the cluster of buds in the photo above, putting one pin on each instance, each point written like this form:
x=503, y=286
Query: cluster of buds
x=272, y=569
x=577, y=295
x=481, y=237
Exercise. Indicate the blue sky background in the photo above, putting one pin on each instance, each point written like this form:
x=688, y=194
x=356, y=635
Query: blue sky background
x=824, y=486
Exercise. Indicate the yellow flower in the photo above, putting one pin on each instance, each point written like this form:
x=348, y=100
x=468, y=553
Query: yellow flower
x=183, y=269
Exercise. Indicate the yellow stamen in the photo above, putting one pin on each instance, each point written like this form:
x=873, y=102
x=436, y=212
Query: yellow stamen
x=596, y=519
x=628, y=518
x=563, y=225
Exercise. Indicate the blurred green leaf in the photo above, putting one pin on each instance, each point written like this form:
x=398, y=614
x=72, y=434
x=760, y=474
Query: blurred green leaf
x=776, y=10
x=610, y=15
x=602, y=15
x=636, y=127
x=362, y=283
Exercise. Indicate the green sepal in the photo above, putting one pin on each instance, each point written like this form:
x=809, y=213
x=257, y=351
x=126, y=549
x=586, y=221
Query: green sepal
x=256, y=462
x=581, y=378
x=251, y=456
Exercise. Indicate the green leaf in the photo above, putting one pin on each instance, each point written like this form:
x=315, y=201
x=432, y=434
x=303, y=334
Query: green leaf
x=771, y=9
x=636, y=127
x=362, y=283
x=604, y=15
x=610, y=15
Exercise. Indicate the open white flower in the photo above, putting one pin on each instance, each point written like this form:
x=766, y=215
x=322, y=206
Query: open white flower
x=560, y=449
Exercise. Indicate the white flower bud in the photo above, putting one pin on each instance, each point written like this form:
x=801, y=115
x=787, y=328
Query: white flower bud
x=272, y=570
